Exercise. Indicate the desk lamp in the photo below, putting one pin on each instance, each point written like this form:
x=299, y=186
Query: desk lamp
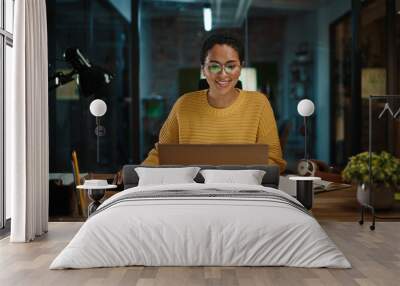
x=89, y=78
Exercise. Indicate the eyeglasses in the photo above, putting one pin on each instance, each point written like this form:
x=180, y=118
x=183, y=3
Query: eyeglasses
x=216, y=68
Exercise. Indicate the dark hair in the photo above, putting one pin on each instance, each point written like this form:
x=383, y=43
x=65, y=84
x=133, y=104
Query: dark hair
x=221, y=39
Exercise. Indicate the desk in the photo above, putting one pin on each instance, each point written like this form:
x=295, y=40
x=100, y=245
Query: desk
x=66, y=179
x=101, y=176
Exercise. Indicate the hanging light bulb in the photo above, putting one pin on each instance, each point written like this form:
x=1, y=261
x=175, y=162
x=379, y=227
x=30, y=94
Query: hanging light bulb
x=207, y=17
x=98, y=108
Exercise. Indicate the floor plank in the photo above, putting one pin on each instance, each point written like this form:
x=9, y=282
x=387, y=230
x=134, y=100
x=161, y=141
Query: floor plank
x=375, y=257
x=342, y=205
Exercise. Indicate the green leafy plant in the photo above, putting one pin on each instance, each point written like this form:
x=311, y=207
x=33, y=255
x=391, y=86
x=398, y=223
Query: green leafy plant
x=385, y=169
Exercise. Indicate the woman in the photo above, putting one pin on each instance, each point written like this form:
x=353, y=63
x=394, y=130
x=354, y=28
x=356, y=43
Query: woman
x=221, y=114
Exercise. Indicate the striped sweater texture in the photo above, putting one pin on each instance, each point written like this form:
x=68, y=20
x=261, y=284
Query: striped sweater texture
x=249, y=119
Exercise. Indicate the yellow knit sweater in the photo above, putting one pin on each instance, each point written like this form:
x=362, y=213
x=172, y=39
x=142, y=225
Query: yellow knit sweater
x=249, y=119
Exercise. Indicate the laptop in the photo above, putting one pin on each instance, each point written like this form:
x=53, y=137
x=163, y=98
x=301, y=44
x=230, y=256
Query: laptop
x=213, y=154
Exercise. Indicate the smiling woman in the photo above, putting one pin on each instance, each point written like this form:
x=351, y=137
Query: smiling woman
x=221, y=58
x=221, y=114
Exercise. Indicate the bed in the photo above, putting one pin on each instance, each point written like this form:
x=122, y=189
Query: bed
x=198, y=224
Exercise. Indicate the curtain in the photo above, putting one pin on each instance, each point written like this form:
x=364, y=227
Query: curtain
x=27, y=123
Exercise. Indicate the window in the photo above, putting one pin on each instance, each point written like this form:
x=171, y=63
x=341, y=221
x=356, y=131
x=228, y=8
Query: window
x=280, y=46
x=6, y=44
x=105, y=41
x=9, y=15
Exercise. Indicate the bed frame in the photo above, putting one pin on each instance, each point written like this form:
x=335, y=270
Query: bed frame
x=270, y=179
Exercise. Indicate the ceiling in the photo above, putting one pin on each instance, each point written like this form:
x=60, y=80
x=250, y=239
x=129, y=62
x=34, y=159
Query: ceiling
x=230, y=13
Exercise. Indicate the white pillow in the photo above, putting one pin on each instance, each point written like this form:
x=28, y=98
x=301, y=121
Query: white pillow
x=248, y=177
x=165, y=176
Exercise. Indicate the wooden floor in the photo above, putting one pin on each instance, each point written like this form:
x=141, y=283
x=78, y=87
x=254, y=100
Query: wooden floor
x=374, y=255
x=342, y=205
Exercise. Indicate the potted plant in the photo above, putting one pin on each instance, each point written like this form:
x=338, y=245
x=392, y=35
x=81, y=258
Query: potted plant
x=385, y=173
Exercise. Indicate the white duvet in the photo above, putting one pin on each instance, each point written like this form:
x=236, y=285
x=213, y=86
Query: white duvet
x=200, y=231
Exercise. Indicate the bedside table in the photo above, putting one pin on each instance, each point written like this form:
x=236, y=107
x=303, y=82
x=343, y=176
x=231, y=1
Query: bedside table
x=304, y=190
x=96, y=193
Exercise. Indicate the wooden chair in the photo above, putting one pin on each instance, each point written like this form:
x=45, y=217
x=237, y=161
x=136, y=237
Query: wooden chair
x=81, y=194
